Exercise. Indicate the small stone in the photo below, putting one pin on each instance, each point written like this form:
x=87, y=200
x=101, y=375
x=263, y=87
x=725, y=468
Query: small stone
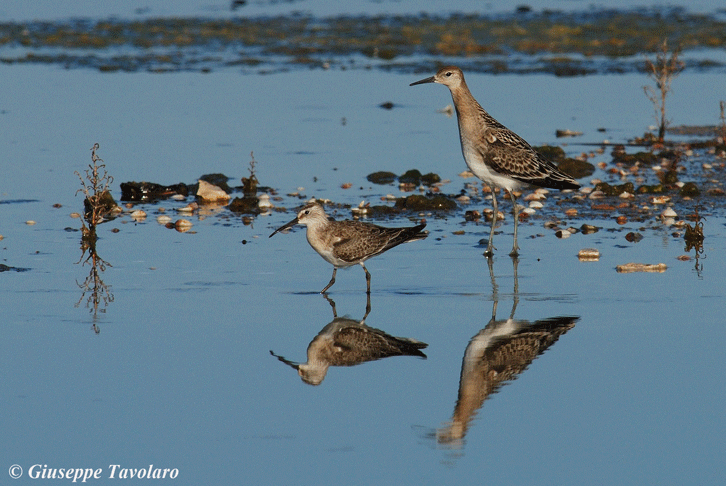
x=563, y=234
x=588, y=255
x=633, y=237
x=182, y=225
x=536, y=205
x=535, y=196
x=264, y=202
x=138, y=215
x=641, y=267
x=163, y=219
x=30, y=222
x=528, y=211
x=75, y=215
x=621, y=220
x=571, y=213
x=210, y=193
x=668, y=213
x=189, y=208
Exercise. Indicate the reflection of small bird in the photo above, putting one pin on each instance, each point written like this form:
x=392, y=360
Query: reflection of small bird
x=495, y=154
x=347, y=243
x=347, y=342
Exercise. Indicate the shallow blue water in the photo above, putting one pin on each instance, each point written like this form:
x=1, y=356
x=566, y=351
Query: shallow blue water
x=179, y=374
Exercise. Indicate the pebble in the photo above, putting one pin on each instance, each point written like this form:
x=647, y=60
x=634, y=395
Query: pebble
x=660, y=199
x=534, y=197
x=571, y=213
x=264, y=202
x=536, y=205
x=588, y=255
x=668, y=213
x=178, y=197
x=30, y=222
x=75, y=215
x=163, y=219
x=138, y=215
x=621, y=220
x=210, y=193
x=182, y=225
x=528, y=211
x=641, y=267
x=189, y=208
x=563, y=234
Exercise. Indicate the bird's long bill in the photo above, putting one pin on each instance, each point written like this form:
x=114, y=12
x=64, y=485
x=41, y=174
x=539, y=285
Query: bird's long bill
x=284, y=227
x=427, y=80
x=286, y=361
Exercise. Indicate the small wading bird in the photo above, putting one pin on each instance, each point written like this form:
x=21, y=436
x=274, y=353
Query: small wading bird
x=347, y=243
x=495, y=154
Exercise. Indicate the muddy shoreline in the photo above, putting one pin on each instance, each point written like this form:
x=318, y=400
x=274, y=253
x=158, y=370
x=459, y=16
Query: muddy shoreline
x=562, y=44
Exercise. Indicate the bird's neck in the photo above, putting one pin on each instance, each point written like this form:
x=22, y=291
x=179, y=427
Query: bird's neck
x=465, y=104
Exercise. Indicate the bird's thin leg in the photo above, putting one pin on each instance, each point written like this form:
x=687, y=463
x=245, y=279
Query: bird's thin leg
x=331, y=302
x=515, y=264
x=368, y=278
x=368, y=308
x=332, y=281
x=490, y=247
x=515, y=247
x=495, y=289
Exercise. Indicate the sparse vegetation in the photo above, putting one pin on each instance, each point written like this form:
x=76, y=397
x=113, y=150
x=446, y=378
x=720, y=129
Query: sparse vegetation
x=98, y=202
x=249, y=184
x=666, y=67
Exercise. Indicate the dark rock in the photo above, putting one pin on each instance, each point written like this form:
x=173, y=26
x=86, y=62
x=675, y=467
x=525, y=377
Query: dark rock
x=245, y=205
x=412, y=176
x=576, y=168
x=150, y=191
x=105, y=208
x=219, y=180
x=633, y=237
x=430, y=179
x=420, y=203
x=381, y=177
x=550, y=152
x=651, y=189
x=388, y=105
x=668, y=177
x=690, y=189
x=615, y=190
x=620, y=156
x=5, y=268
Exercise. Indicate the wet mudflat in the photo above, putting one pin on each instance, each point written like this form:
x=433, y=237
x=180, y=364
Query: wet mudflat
x=154, y=349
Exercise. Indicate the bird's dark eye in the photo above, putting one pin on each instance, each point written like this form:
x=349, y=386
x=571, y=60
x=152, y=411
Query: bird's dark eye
x=448, y=73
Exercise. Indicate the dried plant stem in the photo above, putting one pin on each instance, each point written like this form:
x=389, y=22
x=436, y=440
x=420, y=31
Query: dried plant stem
x=667, y=66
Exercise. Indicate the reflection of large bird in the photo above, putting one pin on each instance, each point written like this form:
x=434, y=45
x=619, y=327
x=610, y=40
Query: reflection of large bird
x=347, y=342
x=497, y=354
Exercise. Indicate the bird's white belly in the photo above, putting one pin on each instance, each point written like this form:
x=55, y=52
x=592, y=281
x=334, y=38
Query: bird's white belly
x=326, y=251
x=481, y=170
